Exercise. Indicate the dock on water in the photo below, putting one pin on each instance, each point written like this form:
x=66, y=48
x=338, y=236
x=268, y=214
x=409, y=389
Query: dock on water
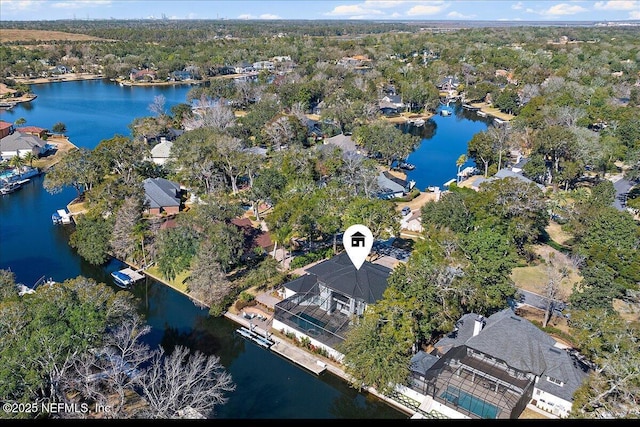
x=255, y=337
x=287, y=350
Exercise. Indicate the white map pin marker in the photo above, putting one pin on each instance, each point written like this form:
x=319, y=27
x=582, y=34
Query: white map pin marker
x=357, y=241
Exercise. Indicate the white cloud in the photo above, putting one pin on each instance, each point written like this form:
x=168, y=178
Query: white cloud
x=269, y=16
x=428, y=8
x=382, y=4
x=15, y=5
x=458, y=15
x=77, y=4
x=634, y=14
x=563, y=9
x=246, y=16
x=517, y=6
x=633, y=6
x=354, y=11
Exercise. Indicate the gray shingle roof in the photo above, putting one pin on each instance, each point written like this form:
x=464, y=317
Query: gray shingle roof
x=506, y=173
x=345, y=142
x=389, y=183
x=19, y=141
x=338, y=273
x=521, y=345
x=422, y=361
x=160, y=192
x=302, y=284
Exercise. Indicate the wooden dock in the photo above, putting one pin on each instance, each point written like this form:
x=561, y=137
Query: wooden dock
x=255, y=337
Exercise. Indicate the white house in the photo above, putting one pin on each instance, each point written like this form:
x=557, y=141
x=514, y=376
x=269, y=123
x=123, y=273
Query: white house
x=20, y=144
x=161, y=152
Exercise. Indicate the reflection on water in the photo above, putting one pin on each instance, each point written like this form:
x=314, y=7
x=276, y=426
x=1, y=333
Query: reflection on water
x=32, y=246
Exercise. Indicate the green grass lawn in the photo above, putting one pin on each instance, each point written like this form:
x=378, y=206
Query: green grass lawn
x=176, y=283
x=534, y=279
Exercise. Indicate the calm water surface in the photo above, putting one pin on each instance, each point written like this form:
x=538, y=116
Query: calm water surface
x=444, y=139
x=31, y=246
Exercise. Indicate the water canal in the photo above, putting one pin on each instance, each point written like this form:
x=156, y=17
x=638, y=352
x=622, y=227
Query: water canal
x=444, y=139
x=268, y=386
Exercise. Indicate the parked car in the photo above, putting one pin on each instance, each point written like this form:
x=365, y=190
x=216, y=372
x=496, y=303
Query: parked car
x=406, y=211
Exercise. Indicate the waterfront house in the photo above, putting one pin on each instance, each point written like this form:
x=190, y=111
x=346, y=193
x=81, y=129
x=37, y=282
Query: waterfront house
x=263, y=65
x=321, y=304
x=494, y=367
x=20, y=144
x=391, y=187
x=390, y=104
x=448, y=83
x=162, y=196
x=181, y=75
x=6, y=128
x=505, y=173
x=244, y=67
x=33, y=130
x=142, y=75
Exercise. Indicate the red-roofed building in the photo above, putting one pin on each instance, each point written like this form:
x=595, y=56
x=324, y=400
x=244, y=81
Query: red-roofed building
x=253, y=237
x=6, y=128
x=33, y=130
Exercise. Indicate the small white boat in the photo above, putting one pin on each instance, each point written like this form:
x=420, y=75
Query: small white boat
x=407, y=166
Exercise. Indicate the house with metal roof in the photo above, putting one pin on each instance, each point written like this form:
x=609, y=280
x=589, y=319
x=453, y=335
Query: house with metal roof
x=162, y=196
x=494, y=367
x=320, y=305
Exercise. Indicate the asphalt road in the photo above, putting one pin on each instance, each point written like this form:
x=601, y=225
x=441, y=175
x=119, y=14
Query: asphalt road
x=622, y=187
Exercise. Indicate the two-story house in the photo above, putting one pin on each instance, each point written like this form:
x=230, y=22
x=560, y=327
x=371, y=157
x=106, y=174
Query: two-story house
x=494, y=367
x=322, y=304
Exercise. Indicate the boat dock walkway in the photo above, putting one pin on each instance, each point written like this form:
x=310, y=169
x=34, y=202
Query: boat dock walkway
x=135, y=275
x=284, y=349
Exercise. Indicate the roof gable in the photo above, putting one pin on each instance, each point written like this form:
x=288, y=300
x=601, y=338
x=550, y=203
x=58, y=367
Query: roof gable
x=338, y=273
x=160, y=192
x=20, y=141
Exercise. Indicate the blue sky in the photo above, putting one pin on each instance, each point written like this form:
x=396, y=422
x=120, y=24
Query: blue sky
x=559, y=10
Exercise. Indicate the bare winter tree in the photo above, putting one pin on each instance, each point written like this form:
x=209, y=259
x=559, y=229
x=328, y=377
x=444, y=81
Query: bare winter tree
x=182, y=381
x=280, y=131
x=123, y=242
x=500, y=135
x=214, y=114
x=107, y=375
x=298, y=111
x=157, y=107
x=359, y=174
x=557, y=269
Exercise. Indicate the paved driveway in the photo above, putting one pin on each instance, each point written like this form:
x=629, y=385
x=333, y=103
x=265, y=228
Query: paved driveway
x=622, y=187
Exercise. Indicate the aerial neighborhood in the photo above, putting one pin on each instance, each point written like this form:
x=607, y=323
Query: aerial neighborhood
x=496, y=169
